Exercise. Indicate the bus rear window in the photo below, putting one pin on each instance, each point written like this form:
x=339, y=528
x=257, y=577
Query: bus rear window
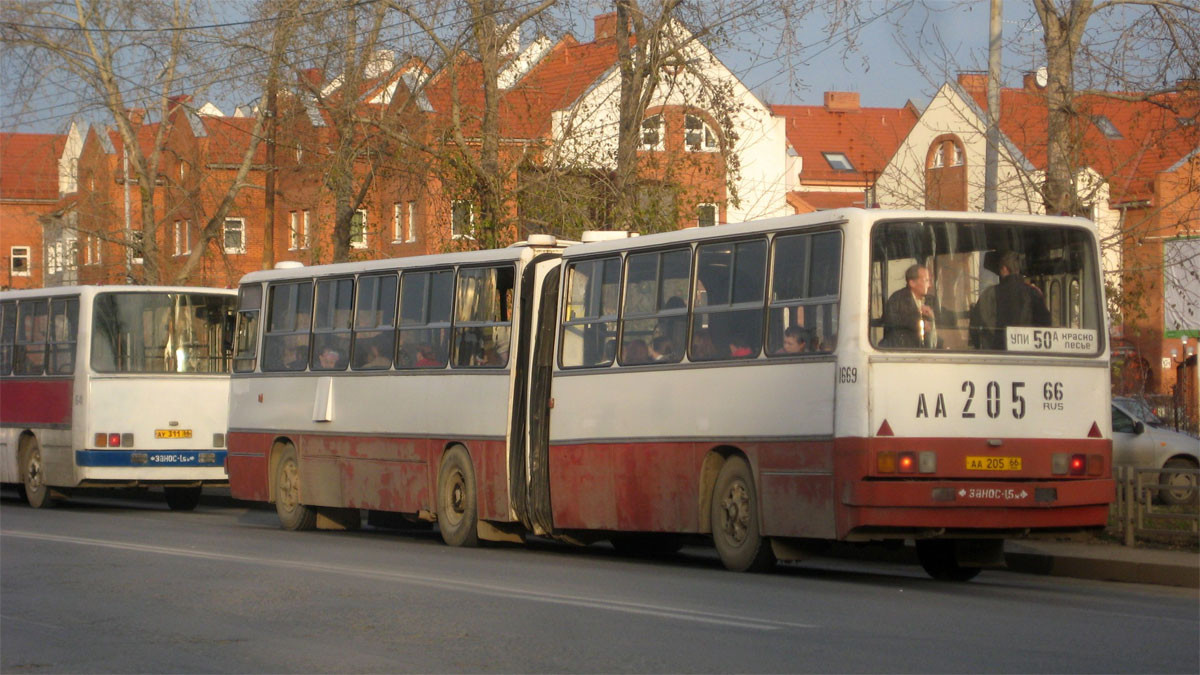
x=997, y=287
x=160, y=333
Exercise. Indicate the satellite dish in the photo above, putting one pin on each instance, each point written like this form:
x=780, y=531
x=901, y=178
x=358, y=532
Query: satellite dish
x=1042, y=76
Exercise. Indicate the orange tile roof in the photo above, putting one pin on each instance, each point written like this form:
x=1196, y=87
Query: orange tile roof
x=821, y=200
x=867, y=136
x=227, y=139
x=1154, y=134
x=29, y=165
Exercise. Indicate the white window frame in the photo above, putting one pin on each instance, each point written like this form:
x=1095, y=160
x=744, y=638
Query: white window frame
x=412, y=222
x=455, y=204
x=716, y=219
x=92, y=249
x=225, y=230
x=939, y=156
x=304, y=231
x=708, y=137
x=660, y=143
x=136, y=241
x=54, y=258
x=397, y=224
x=183, y=237
x=838, y=161
x=361, y=242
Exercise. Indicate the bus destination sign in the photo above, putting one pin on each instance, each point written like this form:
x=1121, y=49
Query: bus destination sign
x=1051, y=340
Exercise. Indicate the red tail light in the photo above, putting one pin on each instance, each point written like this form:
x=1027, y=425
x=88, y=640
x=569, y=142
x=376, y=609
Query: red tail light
x=908, y=462
x=114, y=440
x=1078, y=465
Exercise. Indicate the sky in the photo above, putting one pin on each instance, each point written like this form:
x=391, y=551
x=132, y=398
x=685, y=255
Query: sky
x=948, y=35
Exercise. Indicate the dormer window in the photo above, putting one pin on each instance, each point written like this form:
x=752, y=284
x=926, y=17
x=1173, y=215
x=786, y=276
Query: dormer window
x=939, y=157
x=1106, y=127
x=652, y=136
x=698, y=136
x=838, y=160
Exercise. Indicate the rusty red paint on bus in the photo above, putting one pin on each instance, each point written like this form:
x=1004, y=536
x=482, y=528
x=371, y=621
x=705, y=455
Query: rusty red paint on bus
x=36, y=402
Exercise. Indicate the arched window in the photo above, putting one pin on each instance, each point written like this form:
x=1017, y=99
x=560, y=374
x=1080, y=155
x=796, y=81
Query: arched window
x=698, y=136
x=945, y=174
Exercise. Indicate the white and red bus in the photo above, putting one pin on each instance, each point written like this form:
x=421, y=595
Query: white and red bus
x=114, y=386
x=767, y=384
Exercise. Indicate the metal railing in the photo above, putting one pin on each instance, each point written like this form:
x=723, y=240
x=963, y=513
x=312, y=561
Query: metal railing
x=1139, y=512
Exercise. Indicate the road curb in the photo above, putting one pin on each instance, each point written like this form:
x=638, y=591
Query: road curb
x=1129, y=571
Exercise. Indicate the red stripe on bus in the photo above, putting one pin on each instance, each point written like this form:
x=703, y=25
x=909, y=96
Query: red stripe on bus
x=33, y=402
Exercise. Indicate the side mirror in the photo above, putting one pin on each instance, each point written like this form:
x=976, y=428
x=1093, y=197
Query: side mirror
x=1139, y=427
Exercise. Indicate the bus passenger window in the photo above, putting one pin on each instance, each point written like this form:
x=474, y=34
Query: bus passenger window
x=246, y=341
x=375, y=322
x=30, y=347
x=8, y=331
x=483, y=320
x=64, y=319
x=332, y=324
x=423, y=334
x=285, y=345
x=655, y=287
x=589, y=322
x=728, y=300
x=805, y=282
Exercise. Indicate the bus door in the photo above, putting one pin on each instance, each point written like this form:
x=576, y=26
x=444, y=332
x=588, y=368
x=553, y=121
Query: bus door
x=540, y=514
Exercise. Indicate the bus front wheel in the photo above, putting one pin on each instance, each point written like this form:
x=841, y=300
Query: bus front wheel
x=939, y=558
x=182, y=498
x=735, y=526
x=457, y=517
x=33, y=476
x=292, y=514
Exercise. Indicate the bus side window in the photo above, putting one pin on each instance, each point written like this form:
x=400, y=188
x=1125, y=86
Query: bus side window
x=332, y=324
x=30, y=344
x=8, y=331
x=589, y=334
x=289, y=318
x=483, y=317
x=728, y=301
x=246, y=340
x=375, y=322
x=654, y=316
x=423, y=333
x=64, y=319
x=805, y=282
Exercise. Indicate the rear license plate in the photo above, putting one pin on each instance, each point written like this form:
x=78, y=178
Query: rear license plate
x=172, y=433
x=993, y=463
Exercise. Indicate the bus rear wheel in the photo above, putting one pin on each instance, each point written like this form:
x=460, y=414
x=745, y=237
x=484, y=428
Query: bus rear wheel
x=734, y=514
x=292, y=514
x=457, y=517
x=33, y=476
x=939, y=558
x=182, y=498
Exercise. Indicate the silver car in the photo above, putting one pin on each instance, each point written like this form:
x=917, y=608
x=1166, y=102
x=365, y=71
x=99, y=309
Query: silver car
x=1142, y=440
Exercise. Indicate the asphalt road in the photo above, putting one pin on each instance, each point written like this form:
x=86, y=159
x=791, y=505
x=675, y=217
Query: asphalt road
x=102, y=585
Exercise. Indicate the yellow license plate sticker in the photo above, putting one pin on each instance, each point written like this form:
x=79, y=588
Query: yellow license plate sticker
x=172, y=433
x=993, y=463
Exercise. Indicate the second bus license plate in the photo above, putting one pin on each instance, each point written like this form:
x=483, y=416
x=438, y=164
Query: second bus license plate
x=172, y=433
x=993, y=463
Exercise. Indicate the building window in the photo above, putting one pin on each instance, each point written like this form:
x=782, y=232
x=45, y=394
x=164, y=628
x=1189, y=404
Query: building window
x=358, y=229
x=412, y=222
x=19, y=261
x=706, y=215
x=939, y=157
x=397, y=223
x=956, y=156
x=698, y=136
x=839, y=161
x=1106, y=127
x=462, y=219
x=134, y=253
x=293, y=231
x=183, y=237
x=54, y=258
x=235, y=235
x=652, y=136
x=91, y=250
x=304, y=236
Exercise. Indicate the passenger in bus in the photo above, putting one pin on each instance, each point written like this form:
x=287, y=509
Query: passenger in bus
x=660, y=349
x=635, y=352
x=294, y=354
x=377, y=354
x=908, y=321
x=794, y=341
x=703, y=348
x=427, y=357
x=1013, y=301
x=739, y=347
x=329, y=358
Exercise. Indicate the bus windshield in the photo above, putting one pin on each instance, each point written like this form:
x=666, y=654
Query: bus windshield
x=985, y=286
x=160, y=333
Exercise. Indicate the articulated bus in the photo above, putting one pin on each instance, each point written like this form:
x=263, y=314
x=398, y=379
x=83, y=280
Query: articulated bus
x=114, y=386
x=848, y=375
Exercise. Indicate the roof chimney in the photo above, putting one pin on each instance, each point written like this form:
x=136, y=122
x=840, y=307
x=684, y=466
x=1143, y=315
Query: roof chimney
x=973, y=80
x=605, y=27
x=841, y=101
